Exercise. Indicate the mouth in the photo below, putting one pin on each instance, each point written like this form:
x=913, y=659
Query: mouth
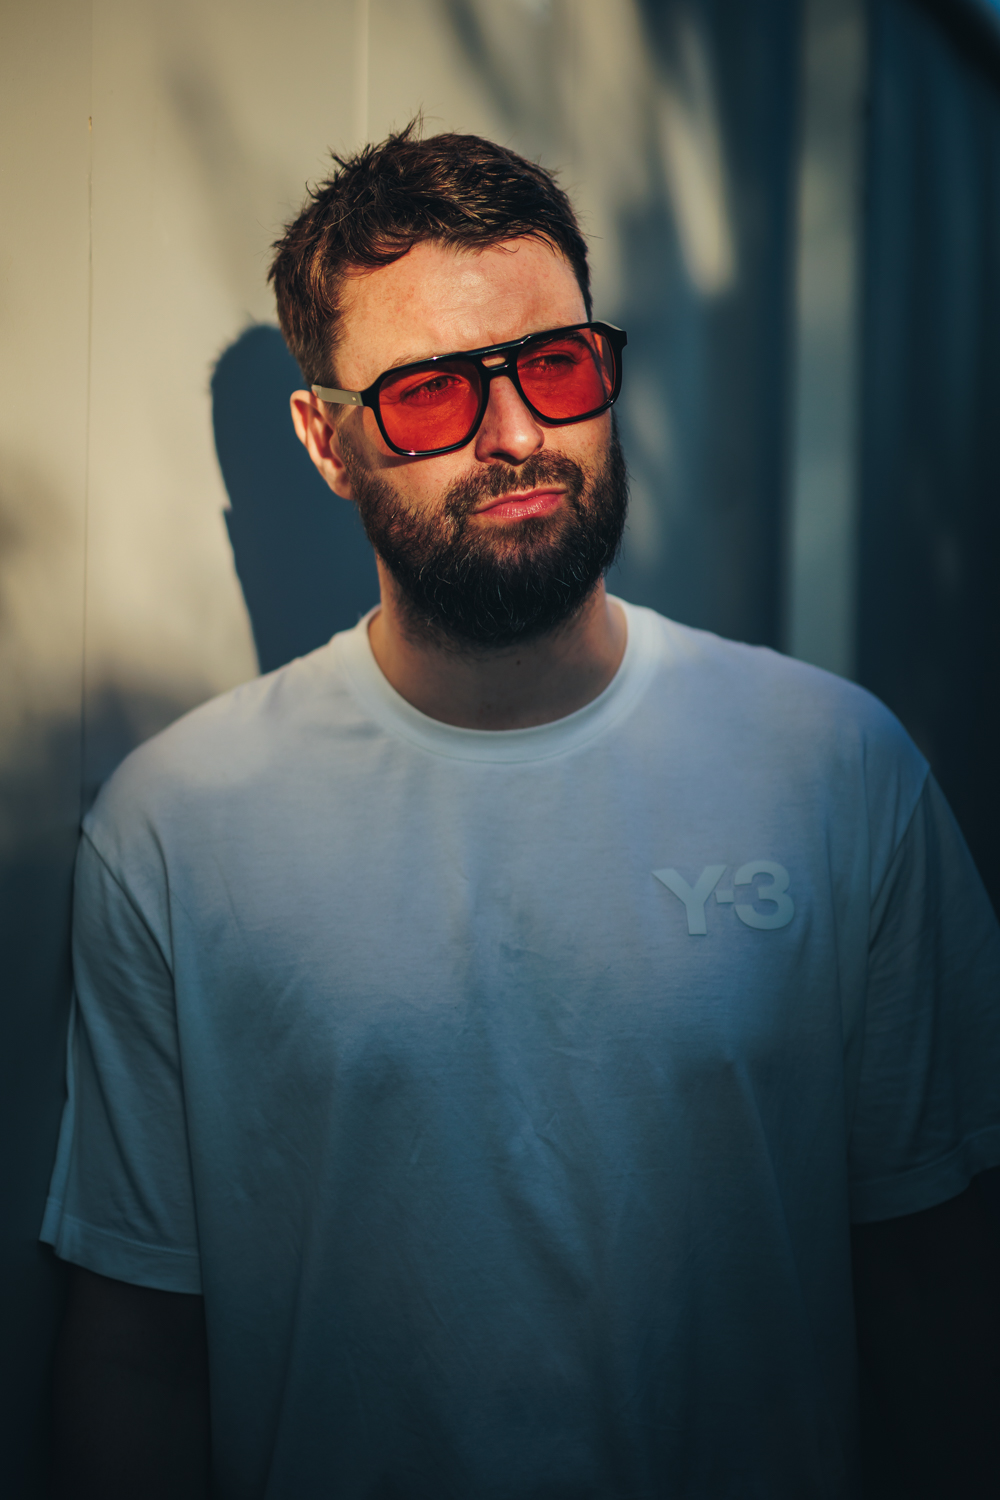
x=521, y=504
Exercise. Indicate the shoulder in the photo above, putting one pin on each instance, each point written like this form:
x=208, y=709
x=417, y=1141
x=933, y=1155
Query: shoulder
x=228, y=748
x=755, y=680
x=807, y=724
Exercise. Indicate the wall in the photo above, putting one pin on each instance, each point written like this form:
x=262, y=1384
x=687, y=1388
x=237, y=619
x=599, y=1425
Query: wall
x=44, y=327
x=929, y=554
x=823, y=517
x=160, y=531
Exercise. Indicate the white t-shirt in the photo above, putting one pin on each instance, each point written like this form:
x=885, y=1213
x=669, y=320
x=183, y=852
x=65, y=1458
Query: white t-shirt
x=509, y=1095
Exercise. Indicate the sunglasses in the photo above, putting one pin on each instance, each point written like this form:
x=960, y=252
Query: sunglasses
x=437, y=405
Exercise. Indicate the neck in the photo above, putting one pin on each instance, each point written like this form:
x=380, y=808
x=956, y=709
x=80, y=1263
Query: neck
x=514, y=688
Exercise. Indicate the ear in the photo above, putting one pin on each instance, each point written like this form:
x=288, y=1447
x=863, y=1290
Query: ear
x=318, y=435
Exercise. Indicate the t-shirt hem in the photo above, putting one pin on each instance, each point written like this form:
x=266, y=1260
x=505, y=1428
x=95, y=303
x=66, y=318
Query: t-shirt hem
x=156, y=1266
x=926, y=1186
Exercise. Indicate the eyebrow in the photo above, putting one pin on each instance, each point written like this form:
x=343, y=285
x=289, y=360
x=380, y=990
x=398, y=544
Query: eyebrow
x=422, y=359
x=419, y=359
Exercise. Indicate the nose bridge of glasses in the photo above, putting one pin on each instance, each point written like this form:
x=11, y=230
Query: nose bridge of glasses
x=502, y=393
x=502, y=365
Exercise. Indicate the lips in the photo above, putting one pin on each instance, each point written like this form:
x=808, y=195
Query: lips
x=521, y=505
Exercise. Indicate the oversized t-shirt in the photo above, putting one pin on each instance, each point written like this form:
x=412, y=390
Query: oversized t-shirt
x=509, y=1095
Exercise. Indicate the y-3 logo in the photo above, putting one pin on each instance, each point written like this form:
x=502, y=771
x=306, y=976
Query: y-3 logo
x=778, y=912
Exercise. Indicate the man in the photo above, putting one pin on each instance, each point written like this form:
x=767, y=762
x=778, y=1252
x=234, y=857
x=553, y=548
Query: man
x=489, y=1026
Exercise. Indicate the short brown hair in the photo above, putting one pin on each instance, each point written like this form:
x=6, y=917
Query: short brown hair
x=459, y=189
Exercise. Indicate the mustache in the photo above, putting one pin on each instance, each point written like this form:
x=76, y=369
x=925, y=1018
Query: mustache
x=502, y=479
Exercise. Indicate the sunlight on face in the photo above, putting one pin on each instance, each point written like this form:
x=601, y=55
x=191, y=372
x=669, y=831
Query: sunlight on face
x=437, y=300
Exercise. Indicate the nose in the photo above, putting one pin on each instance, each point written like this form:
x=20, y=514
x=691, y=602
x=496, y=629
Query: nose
x=508, y=430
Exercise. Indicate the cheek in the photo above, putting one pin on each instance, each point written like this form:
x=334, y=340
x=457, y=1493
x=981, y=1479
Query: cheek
x=419, y=480
x=420, y=483
x=426, y=481
x=371, y=444
x=588, y=442
x=371, y=452
x=585, y=443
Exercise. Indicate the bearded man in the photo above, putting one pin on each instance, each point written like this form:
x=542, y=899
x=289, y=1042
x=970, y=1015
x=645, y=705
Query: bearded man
x=489, y=1027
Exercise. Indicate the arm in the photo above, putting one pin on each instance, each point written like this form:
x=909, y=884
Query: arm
x=927, y=1302
x=130, y=1394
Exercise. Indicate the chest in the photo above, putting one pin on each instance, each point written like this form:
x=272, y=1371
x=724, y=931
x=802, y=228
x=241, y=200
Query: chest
x=506, y=922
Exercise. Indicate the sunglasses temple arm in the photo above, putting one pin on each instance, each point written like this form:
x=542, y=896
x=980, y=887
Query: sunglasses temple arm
x=339, y=398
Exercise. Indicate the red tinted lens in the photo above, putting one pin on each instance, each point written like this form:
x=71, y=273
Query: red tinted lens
x=569, y=375
x=431, y=407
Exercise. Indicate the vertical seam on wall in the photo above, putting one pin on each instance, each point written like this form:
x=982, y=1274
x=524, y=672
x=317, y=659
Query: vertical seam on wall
x=86, y=439
x=361, y=80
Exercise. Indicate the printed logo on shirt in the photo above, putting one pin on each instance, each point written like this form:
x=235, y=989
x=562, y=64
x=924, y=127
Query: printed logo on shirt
x=773, y=906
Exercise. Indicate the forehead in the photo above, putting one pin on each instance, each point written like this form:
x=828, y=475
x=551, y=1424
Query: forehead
x=437, y=299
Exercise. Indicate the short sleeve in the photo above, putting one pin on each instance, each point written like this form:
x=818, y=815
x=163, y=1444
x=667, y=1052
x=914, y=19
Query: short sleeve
x=121, y=1200
x=927, y=1112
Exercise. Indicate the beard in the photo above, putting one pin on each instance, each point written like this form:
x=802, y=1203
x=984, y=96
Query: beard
x=467, y=587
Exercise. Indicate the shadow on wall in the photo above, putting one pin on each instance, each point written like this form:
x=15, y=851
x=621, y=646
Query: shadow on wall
x=39, y=797
x=40, y=805
x=929, y=629
x=703, y=209
x=302, y=557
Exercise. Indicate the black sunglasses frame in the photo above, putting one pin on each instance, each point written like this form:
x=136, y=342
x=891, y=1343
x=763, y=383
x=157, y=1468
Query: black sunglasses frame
x=507, y=367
